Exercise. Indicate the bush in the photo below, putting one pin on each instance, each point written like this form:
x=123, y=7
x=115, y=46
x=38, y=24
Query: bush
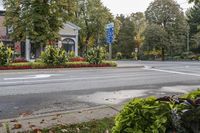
x=119, y=56
x=53, y=56
x=162, y=115
x=143, y=116
x=96, y=55
x=134, y=55
x=5, y=55
x=71, y=54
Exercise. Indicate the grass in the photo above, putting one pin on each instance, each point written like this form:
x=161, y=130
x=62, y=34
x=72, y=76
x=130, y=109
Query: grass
x=95, y=126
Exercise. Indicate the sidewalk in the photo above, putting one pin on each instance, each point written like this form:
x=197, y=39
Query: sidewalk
x=53, y=119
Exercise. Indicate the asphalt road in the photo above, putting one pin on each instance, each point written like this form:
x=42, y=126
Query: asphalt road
x=45, y=91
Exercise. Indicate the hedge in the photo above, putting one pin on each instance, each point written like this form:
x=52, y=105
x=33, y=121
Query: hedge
x=40, y=65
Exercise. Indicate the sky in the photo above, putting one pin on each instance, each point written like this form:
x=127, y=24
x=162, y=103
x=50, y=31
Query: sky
x=130, y=6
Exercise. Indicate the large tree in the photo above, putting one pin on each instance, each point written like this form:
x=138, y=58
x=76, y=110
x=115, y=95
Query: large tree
x=37, y=20
x=194, y=24
x=155, y=39
x=140, y=23
x=125, y=42
x=91, y=16
x=168, y=15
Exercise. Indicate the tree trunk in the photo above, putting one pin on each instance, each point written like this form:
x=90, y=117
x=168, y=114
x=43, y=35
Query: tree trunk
x=163, y=54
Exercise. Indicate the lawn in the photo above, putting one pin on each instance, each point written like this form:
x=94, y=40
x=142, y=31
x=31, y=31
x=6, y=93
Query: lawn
x=95, y=126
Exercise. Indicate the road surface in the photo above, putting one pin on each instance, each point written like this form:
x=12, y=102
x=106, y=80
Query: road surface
x=46, y=91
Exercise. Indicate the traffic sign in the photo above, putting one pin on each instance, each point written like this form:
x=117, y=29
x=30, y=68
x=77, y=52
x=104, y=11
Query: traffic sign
x=110, y=33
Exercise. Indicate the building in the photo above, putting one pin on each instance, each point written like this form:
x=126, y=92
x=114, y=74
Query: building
x=69, y=41
x=69, y=37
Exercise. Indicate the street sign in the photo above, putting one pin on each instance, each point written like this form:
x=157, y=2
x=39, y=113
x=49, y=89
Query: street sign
x=110, y=33
x=110, y=37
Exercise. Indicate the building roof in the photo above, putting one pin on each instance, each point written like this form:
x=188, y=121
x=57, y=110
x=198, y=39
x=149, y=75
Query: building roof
x=72, y=26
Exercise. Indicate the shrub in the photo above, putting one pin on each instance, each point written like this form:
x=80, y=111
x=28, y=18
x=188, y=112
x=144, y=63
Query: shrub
x=134, y=55
x=53, y=56
x=5, y=55
x=71, y=54
x=143, y=116
x=119, y=56
x=95, y=55
x=162, y=115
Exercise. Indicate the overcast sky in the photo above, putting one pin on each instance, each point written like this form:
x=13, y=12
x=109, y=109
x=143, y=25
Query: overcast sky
x=129, y=6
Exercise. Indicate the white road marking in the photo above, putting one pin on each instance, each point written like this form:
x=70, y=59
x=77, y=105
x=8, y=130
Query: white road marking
x=39, y=76
x=64, y=79
x=174, y=72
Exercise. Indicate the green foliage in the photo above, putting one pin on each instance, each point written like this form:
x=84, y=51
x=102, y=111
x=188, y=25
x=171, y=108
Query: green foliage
x=168, y=15
x=143, y=116
x=193, y=95
x=118, y=55
x=5, y=55
x=162, y=115
x=53, y=56
x=195, y=1
x=96, y=55
x=7, y=128
x=155, y=38
x=134, y=55
x=125, y=42
x=71, y=54
x=91, y=16
x=194, y=23
x=40, y=21
x=110, y=63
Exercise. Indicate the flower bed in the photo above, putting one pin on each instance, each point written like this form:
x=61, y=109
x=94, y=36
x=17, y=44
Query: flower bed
x=39, y=65
x=77, y=59
x=19, y=60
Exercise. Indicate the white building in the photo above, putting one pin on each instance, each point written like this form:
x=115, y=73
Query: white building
x=69, y=41
x=69, y=37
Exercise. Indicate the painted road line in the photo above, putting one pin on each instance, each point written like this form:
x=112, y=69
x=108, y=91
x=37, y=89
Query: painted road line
x=63, y=79
x=38, y=76
x=173, y=72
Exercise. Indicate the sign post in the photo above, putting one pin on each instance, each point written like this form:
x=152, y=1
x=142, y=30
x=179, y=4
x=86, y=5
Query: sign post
x=110, y=37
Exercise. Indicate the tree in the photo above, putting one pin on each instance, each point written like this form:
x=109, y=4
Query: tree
x=155, y=39
x=125, y=39
x=92, y=16
x=194, y=24
x=140, y=23
x=168, y=15
x=39, y=21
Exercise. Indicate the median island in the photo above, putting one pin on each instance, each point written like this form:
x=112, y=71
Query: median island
x=54, y=57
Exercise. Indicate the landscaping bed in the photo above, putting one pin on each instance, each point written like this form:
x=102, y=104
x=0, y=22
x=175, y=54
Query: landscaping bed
x=40, y=65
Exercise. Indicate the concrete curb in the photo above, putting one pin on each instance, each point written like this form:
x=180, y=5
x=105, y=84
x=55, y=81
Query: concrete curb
x=59, y=118
x=130, y=66
x=62, y=69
